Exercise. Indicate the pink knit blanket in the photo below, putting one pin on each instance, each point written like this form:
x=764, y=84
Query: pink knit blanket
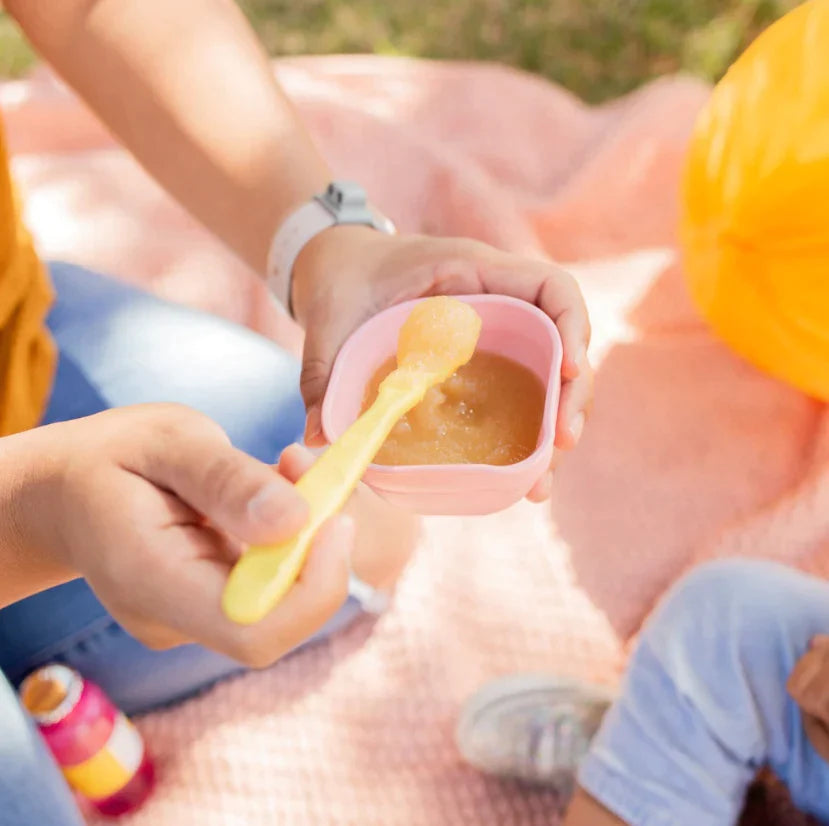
x=691, y=453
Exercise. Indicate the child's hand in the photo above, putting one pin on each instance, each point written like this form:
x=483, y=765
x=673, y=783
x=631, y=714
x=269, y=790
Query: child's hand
x=808, y=685
x=150, y=505
x=347, y=274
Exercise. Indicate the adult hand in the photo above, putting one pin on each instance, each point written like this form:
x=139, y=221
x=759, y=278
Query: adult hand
x=808, y=685
x=347, y=274
x=152, y=505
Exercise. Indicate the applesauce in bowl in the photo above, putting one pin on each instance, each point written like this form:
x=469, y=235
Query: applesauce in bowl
x=489, y=412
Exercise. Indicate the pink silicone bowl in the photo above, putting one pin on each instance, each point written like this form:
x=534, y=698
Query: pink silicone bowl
x=511, y=328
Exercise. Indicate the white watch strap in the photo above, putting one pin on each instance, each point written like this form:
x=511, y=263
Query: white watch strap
x=299, y=228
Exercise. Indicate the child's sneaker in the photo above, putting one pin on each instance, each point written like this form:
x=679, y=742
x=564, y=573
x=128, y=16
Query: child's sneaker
x=534, y=728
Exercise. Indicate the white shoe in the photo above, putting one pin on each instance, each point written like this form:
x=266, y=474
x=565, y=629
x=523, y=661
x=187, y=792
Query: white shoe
x=532, y=727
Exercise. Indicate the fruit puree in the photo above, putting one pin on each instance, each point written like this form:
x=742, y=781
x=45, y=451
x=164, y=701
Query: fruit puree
x=489, y=412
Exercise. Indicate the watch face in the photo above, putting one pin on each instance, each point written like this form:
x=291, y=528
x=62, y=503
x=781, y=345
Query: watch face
x=345, y=194
x=348, y=204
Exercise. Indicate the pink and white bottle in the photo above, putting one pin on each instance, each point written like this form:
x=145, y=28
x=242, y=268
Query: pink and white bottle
x=100, y=753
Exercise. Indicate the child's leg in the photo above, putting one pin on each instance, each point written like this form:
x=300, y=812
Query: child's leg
x=704, y=704
x=702, y=708
x=585, y=810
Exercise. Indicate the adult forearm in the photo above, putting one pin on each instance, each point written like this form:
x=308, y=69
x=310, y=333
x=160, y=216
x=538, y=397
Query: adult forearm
x=187, y=88
x=27, y=564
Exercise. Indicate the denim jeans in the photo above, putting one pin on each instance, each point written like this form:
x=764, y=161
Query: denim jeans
x=120, y=346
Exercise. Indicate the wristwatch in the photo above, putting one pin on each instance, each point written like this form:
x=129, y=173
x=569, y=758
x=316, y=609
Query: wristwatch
x=343, y=202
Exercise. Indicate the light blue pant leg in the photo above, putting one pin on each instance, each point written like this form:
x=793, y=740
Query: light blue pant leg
x=121, y=346
x=32, y=790
x=130, y=347
x=704, y=704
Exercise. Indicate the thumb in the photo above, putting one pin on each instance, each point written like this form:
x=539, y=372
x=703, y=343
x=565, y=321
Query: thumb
x=328, y=330
x=238, y=494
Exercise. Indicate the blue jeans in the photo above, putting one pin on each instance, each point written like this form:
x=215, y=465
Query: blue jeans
x=704, y=704
x=120, y=346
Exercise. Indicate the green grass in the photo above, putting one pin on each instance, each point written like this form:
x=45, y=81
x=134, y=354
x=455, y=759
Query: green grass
x=597, y=48
x=15, y=55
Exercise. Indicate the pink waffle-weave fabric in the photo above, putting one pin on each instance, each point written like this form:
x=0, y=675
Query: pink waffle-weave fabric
x=690, y=454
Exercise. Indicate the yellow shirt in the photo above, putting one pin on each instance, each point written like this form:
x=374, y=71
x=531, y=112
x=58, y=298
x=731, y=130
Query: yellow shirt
x=27, y=355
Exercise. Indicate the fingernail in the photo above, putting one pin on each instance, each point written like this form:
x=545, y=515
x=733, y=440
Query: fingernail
x=313, y=426
x=312, y=433
x=572, y=367
x=273, y=503
x=576, y=427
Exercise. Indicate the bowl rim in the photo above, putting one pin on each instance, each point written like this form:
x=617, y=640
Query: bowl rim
x=551, y=397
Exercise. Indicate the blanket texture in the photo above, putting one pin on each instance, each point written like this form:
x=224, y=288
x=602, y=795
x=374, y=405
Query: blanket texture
x=691, y=454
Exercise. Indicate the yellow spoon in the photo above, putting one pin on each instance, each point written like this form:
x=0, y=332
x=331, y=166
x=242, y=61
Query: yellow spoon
x=437, y=338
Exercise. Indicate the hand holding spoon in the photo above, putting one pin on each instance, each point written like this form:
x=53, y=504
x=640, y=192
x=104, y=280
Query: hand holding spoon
x=437, y=338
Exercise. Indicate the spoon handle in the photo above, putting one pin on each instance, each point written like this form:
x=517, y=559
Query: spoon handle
x=263, y=575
